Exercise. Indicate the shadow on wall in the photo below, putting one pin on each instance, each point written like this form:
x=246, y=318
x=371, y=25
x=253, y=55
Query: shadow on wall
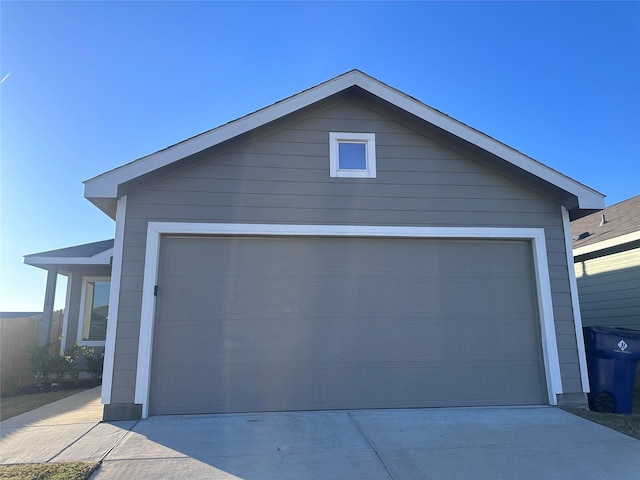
x=609, y=296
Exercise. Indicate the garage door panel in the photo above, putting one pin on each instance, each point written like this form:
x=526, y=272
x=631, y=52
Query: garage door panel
x=310, y=323
x=284, y=296
x=420, y=297
x=331, y=296
x=512, y=297
x=336, y=385
x=469, y=297
x=381, y=296
x=334, y=341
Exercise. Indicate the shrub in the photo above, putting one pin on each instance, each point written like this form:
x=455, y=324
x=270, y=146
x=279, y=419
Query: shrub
x=42, y=364
x=95, y=363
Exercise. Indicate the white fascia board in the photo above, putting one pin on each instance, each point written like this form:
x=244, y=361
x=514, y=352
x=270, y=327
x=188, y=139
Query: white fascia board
x=106, y=185
x=587, y=197
x=155, y=230
x=612, y=242
x=102, y=258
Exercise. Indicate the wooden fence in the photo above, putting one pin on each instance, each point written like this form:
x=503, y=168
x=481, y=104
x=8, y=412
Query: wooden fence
x=17, y=335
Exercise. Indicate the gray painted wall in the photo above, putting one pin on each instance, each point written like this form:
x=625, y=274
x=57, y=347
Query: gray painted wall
x=609, y=289
x=282, y=176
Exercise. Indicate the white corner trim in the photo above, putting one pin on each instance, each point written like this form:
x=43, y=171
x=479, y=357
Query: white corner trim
x=155, y=230
x=612, y=242
x=575, y=302
x=547, y=322
x=65, y=317
x=114, y=302
x=147, y=316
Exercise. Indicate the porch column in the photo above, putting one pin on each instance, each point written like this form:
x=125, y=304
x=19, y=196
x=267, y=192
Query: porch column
x=47, y=311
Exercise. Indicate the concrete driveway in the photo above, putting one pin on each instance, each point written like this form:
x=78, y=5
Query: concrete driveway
x=443, y=443
x=451, y=443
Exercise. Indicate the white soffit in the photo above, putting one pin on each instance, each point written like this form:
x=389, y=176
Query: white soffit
x=105, y=186
x=102, y=258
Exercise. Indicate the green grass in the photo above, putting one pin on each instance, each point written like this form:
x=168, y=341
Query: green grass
x=48, y=471
x=12, y=406
x=627, y=424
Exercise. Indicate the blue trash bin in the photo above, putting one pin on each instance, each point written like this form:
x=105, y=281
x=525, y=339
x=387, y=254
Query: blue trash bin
x=612, y=354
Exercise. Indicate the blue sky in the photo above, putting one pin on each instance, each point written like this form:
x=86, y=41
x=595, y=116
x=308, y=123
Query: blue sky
x=89, y=86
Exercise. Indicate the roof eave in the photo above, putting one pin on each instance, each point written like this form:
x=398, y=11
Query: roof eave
x=45, y=262
x=103, y=189
x=604, y=244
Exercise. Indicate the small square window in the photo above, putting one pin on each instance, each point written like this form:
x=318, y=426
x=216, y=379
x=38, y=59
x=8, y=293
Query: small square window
x=352, y=155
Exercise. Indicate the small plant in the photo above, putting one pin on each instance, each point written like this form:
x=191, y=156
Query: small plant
x=65, y=364
x=95, y=363
x=42, y=364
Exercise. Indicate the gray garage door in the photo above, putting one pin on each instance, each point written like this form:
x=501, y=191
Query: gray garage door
x=271, y=324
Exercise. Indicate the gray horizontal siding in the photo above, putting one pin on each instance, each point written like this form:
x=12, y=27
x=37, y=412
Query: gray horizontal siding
x=282, y=176
x=609, y=289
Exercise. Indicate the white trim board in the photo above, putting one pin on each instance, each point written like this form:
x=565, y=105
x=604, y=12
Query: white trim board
x=575, y=302
x=156, y=229
x=114, y=302
x=103, y=189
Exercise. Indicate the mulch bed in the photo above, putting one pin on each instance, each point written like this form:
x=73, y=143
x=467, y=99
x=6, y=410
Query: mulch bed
x=54, y=386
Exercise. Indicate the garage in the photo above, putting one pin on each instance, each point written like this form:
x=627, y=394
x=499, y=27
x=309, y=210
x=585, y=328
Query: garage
x=262, y=323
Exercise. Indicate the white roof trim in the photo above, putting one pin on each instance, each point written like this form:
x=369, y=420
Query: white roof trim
x=612, y=242
x=106, y=185
x=102, y=258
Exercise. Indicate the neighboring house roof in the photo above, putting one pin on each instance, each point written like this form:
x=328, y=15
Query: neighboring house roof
x=96, y=253
x=611, y=227
x=19, y=314
x=104, y=190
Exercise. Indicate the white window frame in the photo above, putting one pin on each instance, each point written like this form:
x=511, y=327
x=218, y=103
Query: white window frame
x=83, y=299
x=368, y=139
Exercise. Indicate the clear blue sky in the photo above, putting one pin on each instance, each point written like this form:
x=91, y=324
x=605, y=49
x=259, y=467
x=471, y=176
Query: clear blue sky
x=89, y=86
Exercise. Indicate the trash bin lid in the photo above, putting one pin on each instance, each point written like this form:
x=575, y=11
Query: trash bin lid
x=632, y=332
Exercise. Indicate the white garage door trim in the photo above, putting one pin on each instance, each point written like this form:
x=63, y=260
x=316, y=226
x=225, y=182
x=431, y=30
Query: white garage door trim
x=156, y=229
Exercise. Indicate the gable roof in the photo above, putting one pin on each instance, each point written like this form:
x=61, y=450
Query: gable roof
x=96, y=253
x=103, y=190
x=621, y=225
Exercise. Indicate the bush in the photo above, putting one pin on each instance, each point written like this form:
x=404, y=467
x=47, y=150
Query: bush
x=95, y=363
x=43, y=364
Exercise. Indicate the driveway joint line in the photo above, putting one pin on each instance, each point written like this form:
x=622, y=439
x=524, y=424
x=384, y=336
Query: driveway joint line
x=384, y=465
x=118, y=442
x=72, y=443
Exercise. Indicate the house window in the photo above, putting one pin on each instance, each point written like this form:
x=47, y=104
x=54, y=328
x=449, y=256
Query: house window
x=352, y=155
x=95, y=311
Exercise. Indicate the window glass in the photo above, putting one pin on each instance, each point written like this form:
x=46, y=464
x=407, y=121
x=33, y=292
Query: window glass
x=96, y=311
x=352, y=156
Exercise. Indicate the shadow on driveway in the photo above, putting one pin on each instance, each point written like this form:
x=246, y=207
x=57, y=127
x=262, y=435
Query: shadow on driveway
x=447, y=443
